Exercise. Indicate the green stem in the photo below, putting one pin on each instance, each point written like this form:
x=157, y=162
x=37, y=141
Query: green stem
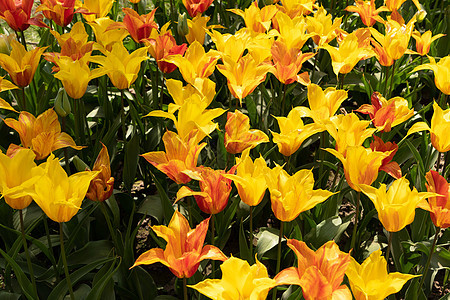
x=64, y=259
x=66, y=152
x=24, y=100
x=50, y=246
x=27, y=254
x=283, y=100
x=392, y=80
x=251, y=234
x=185, y=292
x=108, y=222
x=122, y=113
x=352, y=245
x=388, y=251
x=386, y=80
x=213, y=232
x=315, y=64
x=23, y=41
x=189, y=203
x=277, y=270
x=429, y=258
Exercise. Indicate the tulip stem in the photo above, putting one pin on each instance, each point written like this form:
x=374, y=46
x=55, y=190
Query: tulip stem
x=251, y=233
x=388, y=251
x=50, y=246
x=277, y=270
x=24, y=42
x=213, y=229
x=352, y=244
x=108, y=222
x=185, y=293
x=64, y=259
x=386, y=77
x=283, y=100
x=122, y=113
x=392, y=80
x=24, y=100
x=27, y=254
x=427, y=266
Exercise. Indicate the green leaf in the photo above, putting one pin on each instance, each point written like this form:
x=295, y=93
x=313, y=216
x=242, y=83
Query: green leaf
x=152, y=206
x=131, y=160
x=267, y=240
x=327, y=230
x=244, y=250
x=91, y=252
x=100, y=284
x=24, y=283
x=165, y=201
x=9, y=296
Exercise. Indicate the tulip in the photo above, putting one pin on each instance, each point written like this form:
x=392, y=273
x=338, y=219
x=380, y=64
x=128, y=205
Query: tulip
x=367, y=11
x=58, y=195
x=294, y=8
x=292, y=195
x=6, y=85
x=215, y=189
x=203, y=87
x=194, y=121
x=42, y=134
x=121, y=67
x=101, y=187
x=293, y=132
x=250, y=178
x=76, y=86
x=288, y=63
x=440, y=126
x=21, y=64
x=292, y=32
x=441, y=72
x=178, y=157
x=196, y=7
x=386, y=114
x=184, y=250
x=396, y=38
x=163, y=45
x=239, y=281
x=322, y=27
x=94, y=9
x=371, y=281
x=396, y=207
x=138, y=26
x=323, y=103
x=105, y=37
x=18, y=14
x=393, y=5
x=319, y=273
x=380, y=53
x=257, y=20
x=195, y=63
x=349, y=53
x=244, y=75
x=423, y=41
x=348, y=131
x=59, y=11
x=361, y=165
x=197, y=29
x=238, y=135
x=5, y=43
x=439, y=206
x=18, y=174
x=387, y=165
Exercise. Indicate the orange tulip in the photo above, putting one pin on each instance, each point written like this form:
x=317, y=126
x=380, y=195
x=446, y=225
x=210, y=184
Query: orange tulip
x=179, y=156
x=367, y=11
x=42, y=134
x=387, y=165
x=215, y=189
x=319, y=273
x=423, y=41
x=196, y=7
x=439, y=206
x=238, y=135
x=59, y=11
x=393, y=5
x=257, y=20
x=386, y=113
x=18, y=14
x=380, y=53
x=21, y=64
x=101, y=187
x=161, y=46
x=288, y=62
x=184, y=250
x=139, y=27
x=361, y=165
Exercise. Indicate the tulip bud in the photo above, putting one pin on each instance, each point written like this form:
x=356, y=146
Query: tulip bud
x=62, y=104
x=5, y=46
x=421, y=14
x=182, y=27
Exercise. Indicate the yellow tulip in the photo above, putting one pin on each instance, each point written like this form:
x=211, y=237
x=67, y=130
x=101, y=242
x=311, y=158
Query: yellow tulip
x=107, y=38
x=74, y=43
x=323, y=103
x=440, y=126
x=323, y=27
x=361, y=165
x=396, y=207
x=6, y=85
x=197, y=29
x=21, y=64
x=441, y=72
x=294, y=8
x=195, y=63
x=42, y=134
x=367, y=11
x=239, y=281
x=203, y=87
x=18, y=174
x=121, y=67
x=293, y=132
x=292, y=195
x=96, y=9
x=349, y=53
x=423, y=41
x=292, y=32
x=58, y=195
x=250, y=178
x=76, y=86
x=257, y=20
x=371, y=281
x=348, y=131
